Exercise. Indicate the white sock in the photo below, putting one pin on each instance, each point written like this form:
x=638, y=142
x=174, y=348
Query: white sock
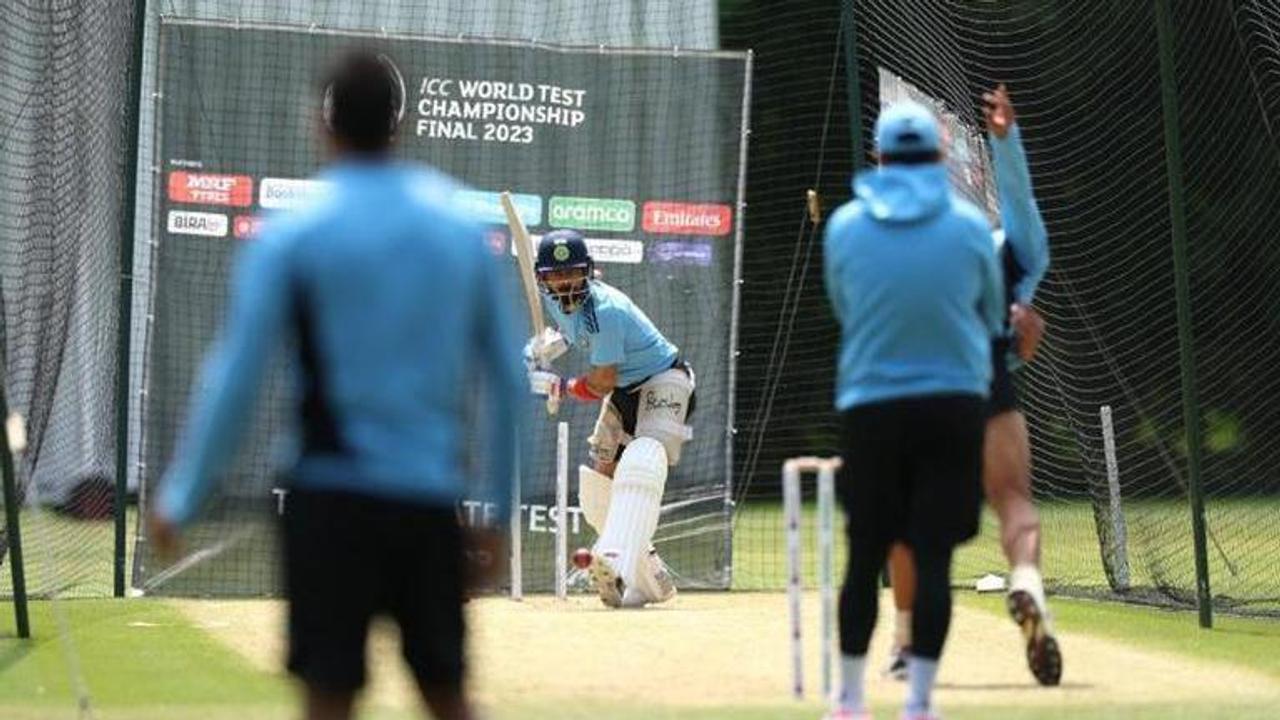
x=921, y=675
x=902, y=628
x=853, y=670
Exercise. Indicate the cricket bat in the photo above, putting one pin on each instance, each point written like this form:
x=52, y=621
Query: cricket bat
x=529, y=280
x=525, y=255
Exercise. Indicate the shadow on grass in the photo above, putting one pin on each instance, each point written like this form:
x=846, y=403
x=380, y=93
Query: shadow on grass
x=1009, y=687
x=15, y=651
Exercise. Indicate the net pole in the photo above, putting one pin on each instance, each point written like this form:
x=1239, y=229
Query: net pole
x=826, y=564
x=1119, y=531
x=562, y=510
x=517, y=532
x=791, y=521
x=853, y=81
x=1178, y=218
x=13, y=530
x=125, y=312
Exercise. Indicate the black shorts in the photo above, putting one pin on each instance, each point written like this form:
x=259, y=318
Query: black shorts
x=1004, y=391
x=349, y=557
x=913, y=470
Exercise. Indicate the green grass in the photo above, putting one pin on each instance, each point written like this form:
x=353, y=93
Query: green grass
x=1251, y=642
x=811, y=711
x=1244, y=564
x=73, y=557
x=136, y=657
x=143, y=660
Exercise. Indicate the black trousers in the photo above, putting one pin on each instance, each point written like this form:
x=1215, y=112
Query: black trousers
x=349, y=557
x=912, y=473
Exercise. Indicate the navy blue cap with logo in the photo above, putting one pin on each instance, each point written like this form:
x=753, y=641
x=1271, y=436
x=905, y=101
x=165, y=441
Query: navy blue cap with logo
x=564, y=250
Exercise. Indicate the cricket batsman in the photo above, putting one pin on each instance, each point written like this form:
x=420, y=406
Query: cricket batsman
x=645, y=391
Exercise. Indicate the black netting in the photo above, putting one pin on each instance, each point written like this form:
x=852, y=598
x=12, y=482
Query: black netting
x=64, y=104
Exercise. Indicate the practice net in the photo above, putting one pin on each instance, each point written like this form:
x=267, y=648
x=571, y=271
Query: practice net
x=640, y=149
x=1085, y=79
x=64, y=129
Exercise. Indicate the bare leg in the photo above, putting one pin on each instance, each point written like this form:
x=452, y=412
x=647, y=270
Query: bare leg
x=1006, y=477
x=327, y=704
x=902, y=576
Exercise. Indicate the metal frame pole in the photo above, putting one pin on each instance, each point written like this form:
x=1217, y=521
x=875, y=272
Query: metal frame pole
x=13, y=529
x=124, y=318
x=853, y=80
x=1181, y=272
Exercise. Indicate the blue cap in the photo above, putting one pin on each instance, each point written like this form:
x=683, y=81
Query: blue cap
x=907, y=127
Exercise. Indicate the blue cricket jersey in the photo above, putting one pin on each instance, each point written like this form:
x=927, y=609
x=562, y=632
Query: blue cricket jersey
x=612, y=330
x=1025, y=248
x=911, y=273
x=397, y=306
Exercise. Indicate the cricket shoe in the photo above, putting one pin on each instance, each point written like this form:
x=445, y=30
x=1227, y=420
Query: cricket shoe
x=653, y=584
x=1027, y=607
x=929, y=715
x=897, y=667
x=606, y=579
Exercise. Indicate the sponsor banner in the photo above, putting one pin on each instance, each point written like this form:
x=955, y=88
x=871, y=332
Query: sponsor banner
x=245, y=226
x=486, y=207
x=676, y=218
x=288, y=193
x=210, y=189
x=187, y=222
x=681, y=253
x=592, y=214
x=628, y=252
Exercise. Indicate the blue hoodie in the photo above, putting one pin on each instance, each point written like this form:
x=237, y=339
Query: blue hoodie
x=912, y=276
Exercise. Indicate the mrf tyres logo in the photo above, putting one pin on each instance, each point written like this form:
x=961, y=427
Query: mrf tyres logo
x=675, y=218
x=210, y=189
x=592, y=214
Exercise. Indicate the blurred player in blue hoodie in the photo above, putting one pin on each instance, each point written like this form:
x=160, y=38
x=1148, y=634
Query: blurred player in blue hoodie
x=357, y=279
x=1023, y=248
x=914, y=282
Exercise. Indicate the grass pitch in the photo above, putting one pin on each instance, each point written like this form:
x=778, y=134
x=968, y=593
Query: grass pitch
x=711, y=656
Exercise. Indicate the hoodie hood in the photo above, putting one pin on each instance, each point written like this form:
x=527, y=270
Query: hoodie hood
x=904, y=193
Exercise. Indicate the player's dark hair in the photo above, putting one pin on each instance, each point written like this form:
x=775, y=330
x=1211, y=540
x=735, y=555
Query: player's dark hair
x=364, y=100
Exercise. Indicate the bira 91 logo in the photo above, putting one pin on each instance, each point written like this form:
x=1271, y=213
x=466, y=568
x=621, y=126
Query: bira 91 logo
x=185, y=222
x=209, y=189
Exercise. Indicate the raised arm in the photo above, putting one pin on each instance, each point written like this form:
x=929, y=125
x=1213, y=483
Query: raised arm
x=1024, y=228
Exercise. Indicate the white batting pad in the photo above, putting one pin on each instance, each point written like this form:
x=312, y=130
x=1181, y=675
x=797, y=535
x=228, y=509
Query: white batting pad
x=636, y=501
x=594, y=490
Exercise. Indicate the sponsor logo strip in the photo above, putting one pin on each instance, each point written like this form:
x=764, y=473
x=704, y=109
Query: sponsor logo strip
x=210, y=189
x=592, y=214
x=674, y=218
x=287, y=193
x=629, y=252
x=681, y=253
x=186, y=222
x=487, y=208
